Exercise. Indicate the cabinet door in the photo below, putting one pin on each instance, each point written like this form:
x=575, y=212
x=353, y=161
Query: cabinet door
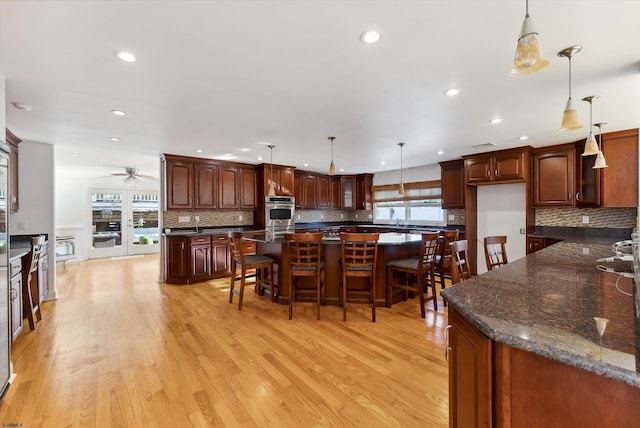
x=348, y=193
x=323, y=189
x=363, y=192
x=177, y=263
x=200, y=259
x=534, y=244
x=297, y=193
x=179, y=191
x=620, y=179
x=470, y=397
x=452, y=182
x=477, y=170
x=206, y=186
x=16, y=305
x=285, y=185
x=228, y=193
x=553, y=178
x=334, y=193
x=587, y=179
x=248, y=188
x=508, y=166
x=309, y=191
x=220, y=254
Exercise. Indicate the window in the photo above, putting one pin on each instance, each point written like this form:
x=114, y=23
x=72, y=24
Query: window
x=420, y=205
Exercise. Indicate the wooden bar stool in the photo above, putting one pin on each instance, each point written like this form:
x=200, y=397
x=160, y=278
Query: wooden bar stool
x=460, y=269
x=495, y=251
x=443, y=258
x=251, y=265
x=305, y=260
x=418, y=273
x=30, y=294
x=359, y=256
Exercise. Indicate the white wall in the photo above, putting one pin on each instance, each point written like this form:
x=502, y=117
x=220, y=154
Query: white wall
x=3, y=119
x=502, y=211
x=73, y=205
x=36, y=193
x=409, y=175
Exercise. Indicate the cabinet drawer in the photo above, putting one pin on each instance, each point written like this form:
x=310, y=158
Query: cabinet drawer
x=199, y=239
x=16, y=267
x=219, y=239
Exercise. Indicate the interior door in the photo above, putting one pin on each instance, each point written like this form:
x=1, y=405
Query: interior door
x=123, y=222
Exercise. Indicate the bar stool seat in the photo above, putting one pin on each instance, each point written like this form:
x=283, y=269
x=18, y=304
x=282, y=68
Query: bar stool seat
x=256, y=266
x=418, y=273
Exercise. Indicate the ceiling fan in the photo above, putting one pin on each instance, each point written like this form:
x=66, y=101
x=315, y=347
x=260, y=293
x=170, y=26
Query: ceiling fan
x=132, y=174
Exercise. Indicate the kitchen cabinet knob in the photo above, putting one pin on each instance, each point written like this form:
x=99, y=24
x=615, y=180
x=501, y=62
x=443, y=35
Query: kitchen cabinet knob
x=578, y=196
x=496, y=172
x=14, y=294
x=447, y=347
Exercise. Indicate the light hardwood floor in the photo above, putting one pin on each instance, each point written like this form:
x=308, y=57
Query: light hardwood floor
x=119, y=349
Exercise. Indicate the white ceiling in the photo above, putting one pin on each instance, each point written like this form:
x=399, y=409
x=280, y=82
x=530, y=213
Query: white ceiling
x=222, y=76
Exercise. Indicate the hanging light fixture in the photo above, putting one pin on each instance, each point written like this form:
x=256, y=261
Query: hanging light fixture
x=332, y=167
x=272, y=188
x=401, y=187
x=528, y=58
x=591, y=146
x=570, y=116
x=600, y=160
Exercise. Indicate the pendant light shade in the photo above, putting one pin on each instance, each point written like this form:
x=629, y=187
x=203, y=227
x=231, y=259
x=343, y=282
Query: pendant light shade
x=272, y=187
x=591, y=146
x=401, y=187
x=332, y=167
x=528, y=58
x=570, y=116
x=600, y=160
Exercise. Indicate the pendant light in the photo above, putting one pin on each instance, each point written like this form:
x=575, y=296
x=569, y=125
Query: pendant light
x=332, y=167
x=570, y=116
x=272, y=188
x=401, y=187
x=600, y=160
x=591, y=146
x=528, y=58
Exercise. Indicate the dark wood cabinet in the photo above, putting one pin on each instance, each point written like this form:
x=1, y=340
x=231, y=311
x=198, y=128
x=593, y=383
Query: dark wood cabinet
x=248, y=188
x=620, y=179
x=505, y=166
x=286, y=181
x=452, y=184
x=364, y=182
x=470, y=358
x=348, y=184
x=323, y=186
x=14, y=194
x=15, y=296
x=308, y=187
x=588, y=180
x=200, y=248
x=282, y=178
x=534, y=244
x=177, y=260
x=219, y=255
x=228, y=190
x=206, y=186
x=553, y=177
x=178, y=184
x=335, y=192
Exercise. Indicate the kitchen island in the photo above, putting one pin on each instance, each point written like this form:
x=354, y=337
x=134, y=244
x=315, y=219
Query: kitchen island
x=524, y=347
x=390, y=246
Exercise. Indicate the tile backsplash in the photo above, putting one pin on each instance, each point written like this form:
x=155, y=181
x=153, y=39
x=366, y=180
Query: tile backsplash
x=598, y=217
x=208, y=218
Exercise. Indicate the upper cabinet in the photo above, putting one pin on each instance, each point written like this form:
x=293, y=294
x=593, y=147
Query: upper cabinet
x=282, y=178
x=588, y=180
x=348, y=184
x=14, y=194
x=364, y=182
x=192, y=183
x=505, y=166
x=452, y=184
x=620, y=179
x=335, y=192
x=553, y=176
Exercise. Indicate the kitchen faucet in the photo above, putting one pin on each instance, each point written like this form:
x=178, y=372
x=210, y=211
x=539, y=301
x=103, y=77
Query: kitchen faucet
x=398, y=222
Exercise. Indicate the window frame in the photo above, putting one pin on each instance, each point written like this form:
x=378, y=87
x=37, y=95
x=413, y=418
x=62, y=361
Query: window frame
x=406, y=200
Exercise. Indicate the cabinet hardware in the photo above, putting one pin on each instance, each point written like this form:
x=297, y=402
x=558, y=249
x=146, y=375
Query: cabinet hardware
x=447, y=347
x=578, y=196
x=14, y=294
x=496, y=172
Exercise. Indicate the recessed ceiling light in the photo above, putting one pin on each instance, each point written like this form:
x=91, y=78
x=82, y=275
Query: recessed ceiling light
x=75, y=154
x=114, y=139
x=495, y=120
x=341, y=169
x=118, y=112
x=523, y=137
x=306, y=164
x=21, y=106
x=383, y=163
x=260, y=157
x=371, y=36
x=198, y=150
x=226, y=156
x=440, y=152
x=452, y=92
x=245, y=150
x=126, y=56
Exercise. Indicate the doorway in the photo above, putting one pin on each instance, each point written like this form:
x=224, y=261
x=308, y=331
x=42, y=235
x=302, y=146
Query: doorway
x=123, y=222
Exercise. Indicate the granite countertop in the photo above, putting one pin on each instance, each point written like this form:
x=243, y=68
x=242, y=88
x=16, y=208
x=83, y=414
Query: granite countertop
x=202, y=231
x=389, y=238
x=545, y=303
x=15, y=253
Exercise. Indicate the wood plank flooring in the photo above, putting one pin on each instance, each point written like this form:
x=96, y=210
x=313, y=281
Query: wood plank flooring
x=118, y=349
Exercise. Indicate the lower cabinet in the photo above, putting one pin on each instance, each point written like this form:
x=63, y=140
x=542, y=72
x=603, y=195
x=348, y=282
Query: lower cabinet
x=196, y=258
x=535, y=244
x=15, y=295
